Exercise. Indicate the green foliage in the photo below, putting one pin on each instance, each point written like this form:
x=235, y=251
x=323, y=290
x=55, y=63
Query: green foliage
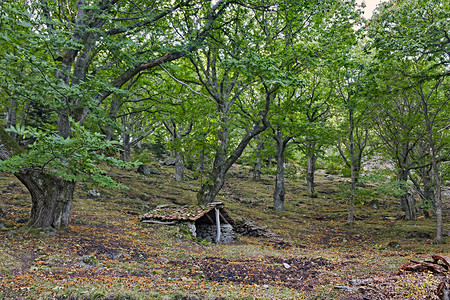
x=386, y=183
x=157, y=146
x=332, y=164
x=77, y=158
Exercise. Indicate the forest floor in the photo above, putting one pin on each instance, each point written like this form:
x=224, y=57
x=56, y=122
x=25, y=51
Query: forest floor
x=107, y=253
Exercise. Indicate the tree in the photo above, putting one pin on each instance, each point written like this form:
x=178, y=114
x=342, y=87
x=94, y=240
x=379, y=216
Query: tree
x=314, y=130
x=79, y=54
x=225, y=87
x=416, y=31
x=320, y=29
x=395, y=119
x=349, y=83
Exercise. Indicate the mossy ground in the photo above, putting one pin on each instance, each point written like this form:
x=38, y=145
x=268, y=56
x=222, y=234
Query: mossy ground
x=134, y=260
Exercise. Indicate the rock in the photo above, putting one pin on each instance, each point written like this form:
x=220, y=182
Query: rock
x=287, y=266
x=169, y=161
x=21, y=220
x=48, y=231
x=94, y=193
x=394, y=244
x=416, y=234
x=155, y=171
x=348, y=289
x=356, y=282
x=144, y=170
x=266, y=286
x=88, y=260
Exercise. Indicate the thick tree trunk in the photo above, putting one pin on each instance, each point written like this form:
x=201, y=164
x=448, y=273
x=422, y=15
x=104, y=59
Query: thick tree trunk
x=279, y=191
x=179, y=166
x=51, y=198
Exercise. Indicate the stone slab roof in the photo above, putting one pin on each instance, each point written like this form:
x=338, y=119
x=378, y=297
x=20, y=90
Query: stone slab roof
x=168, y=213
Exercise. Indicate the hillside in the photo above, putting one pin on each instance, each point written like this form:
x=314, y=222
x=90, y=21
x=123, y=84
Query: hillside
x=107, y=253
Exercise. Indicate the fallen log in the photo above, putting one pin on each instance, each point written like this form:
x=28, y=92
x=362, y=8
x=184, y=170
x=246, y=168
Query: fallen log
x=433, y=266
x=445, y=260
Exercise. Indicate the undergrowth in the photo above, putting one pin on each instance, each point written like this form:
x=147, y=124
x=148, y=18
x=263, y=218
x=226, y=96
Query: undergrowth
x=107, y=253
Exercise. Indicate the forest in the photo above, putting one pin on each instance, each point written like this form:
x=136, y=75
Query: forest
x=328, y=130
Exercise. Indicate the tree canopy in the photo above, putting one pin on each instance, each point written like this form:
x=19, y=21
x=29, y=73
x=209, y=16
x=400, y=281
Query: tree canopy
x=83, y=80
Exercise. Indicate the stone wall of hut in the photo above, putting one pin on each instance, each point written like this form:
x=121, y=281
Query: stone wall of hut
x=208, y=233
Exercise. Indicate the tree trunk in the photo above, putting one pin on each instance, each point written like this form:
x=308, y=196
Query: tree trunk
x=407, y=201
x=51, y=198
x=351, y=206
x=258, y=165
x=311, y=159
x=435, y=168
x=179, y=166
x=11, y=117
x=113, y=111
x=427, y=193
x=126, y=147
x=211, y=187
x=279, y=191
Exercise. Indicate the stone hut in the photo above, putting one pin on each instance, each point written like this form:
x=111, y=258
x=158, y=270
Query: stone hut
x=202, y=221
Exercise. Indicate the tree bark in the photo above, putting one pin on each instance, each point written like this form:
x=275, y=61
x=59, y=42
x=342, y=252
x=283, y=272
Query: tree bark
x=351, y=206
x=428, y=193
x=435, y=168
x=11, y=117
x=51, y=198
x=126, y=147
x=279, y=190
x=407, y=201
x=258, y=165
x=311, y=159
x=179, y=166
x=214, y=183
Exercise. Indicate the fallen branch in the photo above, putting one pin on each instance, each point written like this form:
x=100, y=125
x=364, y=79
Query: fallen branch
x=433, y=266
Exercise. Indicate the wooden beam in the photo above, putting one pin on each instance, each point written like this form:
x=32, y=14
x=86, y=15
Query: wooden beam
x=217, y=224
x=159, y=222
x=223, y=218
x=209, y=218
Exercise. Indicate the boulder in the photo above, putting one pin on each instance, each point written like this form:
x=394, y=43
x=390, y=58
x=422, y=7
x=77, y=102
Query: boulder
x=144, y=170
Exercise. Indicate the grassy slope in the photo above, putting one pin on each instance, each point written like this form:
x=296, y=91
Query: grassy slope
x=126, y=259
